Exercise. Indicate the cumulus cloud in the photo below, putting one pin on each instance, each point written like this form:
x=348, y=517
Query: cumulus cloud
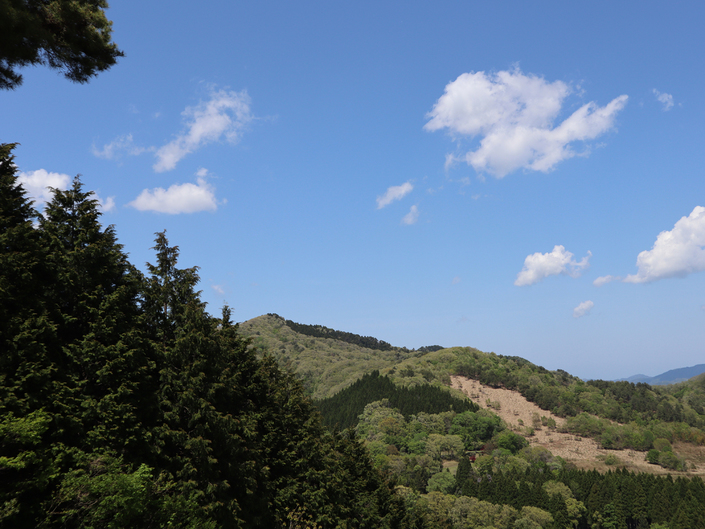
x=665, y=99
x=514, y=114
x=115, y=149
x=675, y=253
x=226, y=114
x=394, y=193
x=603, y=280
x=105, y=205
x=179, y=198
x=583, y=309
x=37, y=184
x=558, y=262
x=411, y=217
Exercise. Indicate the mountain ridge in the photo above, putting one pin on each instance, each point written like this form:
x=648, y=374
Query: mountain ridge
x=672, y=376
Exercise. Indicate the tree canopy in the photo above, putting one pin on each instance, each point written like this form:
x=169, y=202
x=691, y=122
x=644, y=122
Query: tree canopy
x=124, y=403
x=73, y=36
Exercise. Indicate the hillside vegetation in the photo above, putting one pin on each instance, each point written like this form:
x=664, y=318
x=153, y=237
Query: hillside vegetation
x=618, y=414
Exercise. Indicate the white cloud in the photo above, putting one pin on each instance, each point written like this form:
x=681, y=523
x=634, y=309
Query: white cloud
x=394, y=193
x=219, y=289
x=603, y=280
x=224, y=114
x=121, y=144
x=179, y=198
x=37, y=184
x=665, y=99
x=583, y=309
x=514, y=114
x=411, y=217
x=105, y=205
x=541, y=265
x=675, y=253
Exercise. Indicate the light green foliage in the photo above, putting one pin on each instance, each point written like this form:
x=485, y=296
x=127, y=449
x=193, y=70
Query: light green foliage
x=663, y=445
x=510, y=441
x=476, y=428
x=474, y=513
x=515, y=464
x=533, y=518
x=671, y=461
x=556, y=487
x=441, y=482
x=444, y=446
x=379, y=420
x=611, y=459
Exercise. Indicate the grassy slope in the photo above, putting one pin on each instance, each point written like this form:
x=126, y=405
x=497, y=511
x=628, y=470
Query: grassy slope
x=327, y=366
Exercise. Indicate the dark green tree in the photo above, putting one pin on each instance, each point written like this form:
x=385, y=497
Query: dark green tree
x=68, y=35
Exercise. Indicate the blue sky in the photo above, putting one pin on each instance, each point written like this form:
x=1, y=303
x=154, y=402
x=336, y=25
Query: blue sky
x=524, y=178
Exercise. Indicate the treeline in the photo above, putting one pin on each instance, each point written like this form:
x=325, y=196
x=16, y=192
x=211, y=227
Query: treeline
x=671, y=412
x=319, y=331
x=343, y=409
x=123, y=403
x=577, y=498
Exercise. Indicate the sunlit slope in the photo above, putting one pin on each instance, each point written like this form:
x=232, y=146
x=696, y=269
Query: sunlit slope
x=328, y=365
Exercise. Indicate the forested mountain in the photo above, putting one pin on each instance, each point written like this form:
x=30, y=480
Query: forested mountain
x=617, y=414
x=123, y=403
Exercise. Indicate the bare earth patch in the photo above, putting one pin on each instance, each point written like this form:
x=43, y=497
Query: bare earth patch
x=583, y=452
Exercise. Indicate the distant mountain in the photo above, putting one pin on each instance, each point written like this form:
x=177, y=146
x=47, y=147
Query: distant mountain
x=669, y=377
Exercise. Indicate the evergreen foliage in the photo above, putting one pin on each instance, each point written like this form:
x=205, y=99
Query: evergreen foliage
x=123, y=403
x=319, y=331
x=343, y=409
x=68, y=35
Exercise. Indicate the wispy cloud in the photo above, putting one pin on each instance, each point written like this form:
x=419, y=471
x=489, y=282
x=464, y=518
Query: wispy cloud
x=558, y=262
x=225, y=115
x=119, y=146
x=675, y=253
x=179, y=198
x=514, y=115
x=665, y=99
x=456, y=280
x=411, y=217
x=583, y=309
x=37, y=184
x=394, y=193
x=603, y=280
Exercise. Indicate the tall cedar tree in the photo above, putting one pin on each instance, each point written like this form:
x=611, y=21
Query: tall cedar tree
x=68, y=35
x=25, y=372
x=125, y=404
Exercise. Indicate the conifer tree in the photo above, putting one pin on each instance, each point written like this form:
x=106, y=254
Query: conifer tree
x=25, y=373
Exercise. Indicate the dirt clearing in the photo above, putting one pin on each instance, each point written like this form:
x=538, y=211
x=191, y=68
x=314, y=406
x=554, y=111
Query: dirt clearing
x=521, y=414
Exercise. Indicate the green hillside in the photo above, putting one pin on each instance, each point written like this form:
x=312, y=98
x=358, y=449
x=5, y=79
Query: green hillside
x=593, y=408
